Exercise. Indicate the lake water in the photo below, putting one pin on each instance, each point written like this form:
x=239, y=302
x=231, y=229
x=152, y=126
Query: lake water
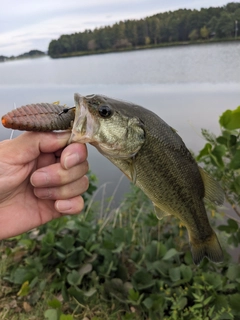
x=188, y=86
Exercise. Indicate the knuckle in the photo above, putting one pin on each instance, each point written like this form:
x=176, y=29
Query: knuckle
x=85, y=166
x=85, y=182
x=80, y=204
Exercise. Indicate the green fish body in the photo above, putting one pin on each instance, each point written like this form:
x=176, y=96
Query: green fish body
x=153, y=156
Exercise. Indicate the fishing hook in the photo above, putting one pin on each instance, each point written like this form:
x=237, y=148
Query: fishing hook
x=65, y=110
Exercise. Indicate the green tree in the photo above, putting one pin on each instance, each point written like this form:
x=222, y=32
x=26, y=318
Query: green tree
x=92, y=45
x=225, y=25
x=204, y=33
x=193, y=36
x=131, y=32
x=142, y=31
x=54, y=48
x=180, y=25
x=212, y=24
x=232, y=7
x=154, y=29
x=172, y=25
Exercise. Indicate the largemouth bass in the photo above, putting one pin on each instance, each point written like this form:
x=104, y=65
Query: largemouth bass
x=146, y=149
x=154, y=157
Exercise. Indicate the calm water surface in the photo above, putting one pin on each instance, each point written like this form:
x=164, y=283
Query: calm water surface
x=188, y=86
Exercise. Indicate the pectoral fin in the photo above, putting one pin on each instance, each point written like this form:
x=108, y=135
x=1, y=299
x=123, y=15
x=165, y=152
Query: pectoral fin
x=160, y=213
x=213, y=191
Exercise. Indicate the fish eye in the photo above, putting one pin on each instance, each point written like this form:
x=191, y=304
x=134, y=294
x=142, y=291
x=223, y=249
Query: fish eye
x=105, y=111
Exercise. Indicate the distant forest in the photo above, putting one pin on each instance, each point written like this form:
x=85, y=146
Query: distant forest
x=166, y=28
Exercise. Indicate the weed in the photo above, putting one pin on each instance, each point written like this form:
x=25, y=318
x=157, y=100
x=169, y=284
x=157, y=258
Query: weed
x=123, y=263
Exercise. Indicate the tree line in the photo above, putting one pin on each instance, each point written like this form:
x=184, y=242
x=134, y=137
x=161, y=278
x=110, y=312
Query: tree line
x=178, y=26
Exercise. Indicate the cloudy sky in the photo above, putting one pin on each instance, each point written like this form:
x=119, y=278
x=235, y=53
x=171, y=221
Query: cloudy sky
x=32, y=24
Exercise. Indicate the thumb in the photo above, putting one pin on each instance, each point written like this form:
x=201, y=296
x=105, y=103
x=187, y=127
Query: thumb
x=29, y=145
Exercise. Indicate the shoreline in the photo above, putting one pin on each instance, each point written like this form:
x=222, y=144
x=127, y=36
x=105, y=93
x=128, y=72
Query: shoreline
x=153, y=46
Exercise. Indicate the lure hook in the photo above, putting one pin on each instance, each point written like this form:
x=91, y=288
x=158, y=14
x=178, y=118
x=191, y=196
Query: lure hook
x=65, y=110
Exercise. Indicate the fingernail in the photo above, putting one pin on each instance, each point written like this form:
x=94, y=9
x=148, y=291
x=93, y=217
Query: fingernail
x=71, y=160
x=39, y=179
x=63, y=205
x=43, y=193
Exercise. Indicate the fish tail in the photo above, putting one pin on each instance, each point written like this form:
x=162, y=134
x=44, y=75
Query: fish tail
x=209, y=248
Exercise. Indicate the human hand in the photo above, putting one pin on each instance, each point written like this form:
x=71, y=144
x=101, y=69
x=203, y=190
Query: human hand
x=39, y=180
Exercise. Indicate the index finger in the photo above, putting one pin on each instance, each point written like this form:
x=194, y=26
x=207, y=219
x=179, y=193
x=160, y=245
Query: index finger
x=29, y=145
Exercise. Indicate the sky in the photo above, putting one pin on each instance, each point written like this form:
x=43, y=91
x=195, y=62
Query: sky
x=32, y=24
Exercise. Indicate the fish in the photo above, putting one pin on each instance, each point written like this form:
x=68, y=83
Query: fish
x=146, y=149
x=154, y=157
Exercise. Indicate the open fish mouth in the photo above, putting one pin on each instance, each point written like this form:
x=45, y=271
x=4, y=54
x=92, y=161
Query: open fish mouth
x=84, y=125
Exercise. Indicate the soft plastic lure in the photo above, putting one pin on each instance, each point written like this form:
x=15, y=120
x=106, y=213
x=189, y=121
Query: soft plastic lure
x=40, y=117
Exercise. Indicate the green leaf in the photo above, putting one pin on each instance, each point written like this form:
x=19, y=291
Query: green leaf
x=205, y=151
x=225, y=118
x=197, y=306
x=85, y=233
x=76, y=293
x=67, y=242
x=233, y=140
x=175, y=274
x=74, y=278
x=213, y=279
x=181, y=303
x=233, y=272
x=49, y=239
x=151, y=251
x=186, y=272
x=24, y=289
x=133, y=295
x=90, y=292
x=119, y=248
x=86, y=268
x=220, y=302
x=222, y=140
x=161, y=266
x=226, y=316
x=143, y=279
x=234, y=301
x=66, y=317
x=51, y=314
x=231, y=227
x=236, y=184
x=22, y=274
x=216, y=155
x=38, y=293
x=170, y=254
x=54, y=303
x=148, y=303
x=235, y=162
x=119, y=235
x=206, y=301
x=230, y=119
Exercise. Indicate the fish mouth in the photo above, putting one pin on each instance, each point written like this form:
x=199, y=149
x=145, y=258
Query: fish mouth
x=84, y=125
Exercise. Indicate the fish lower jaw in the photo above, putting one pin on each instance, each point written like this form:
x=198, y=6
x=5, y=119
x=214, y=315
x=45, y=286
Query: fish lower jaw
x=76, y=137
